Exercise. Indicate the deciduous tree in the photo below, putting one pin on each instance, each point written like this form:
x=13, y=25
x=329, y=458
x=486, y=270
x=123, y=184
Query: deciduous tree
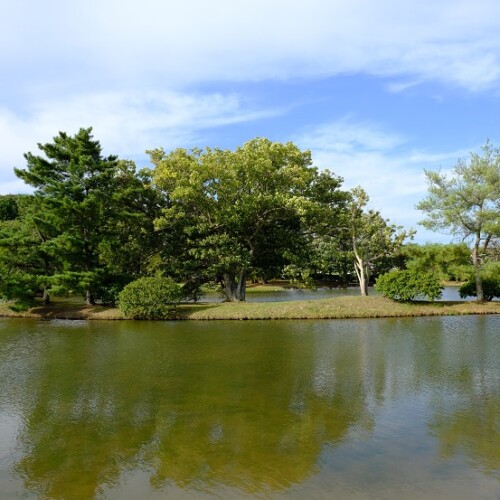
x=237, y=211
x=372, y=237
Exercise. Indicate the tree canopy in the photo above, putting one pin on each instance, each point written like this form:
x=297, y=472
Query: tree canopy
x=263, y=210
x=373, y=239
x=90, y=211
x=235, y=211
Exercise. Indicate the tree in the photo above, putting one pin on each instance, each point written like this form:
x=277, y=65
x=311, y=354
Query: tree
x=372, y=238
x=466, y=204
x=235, y=212
x=91, y=214
x=330, y=258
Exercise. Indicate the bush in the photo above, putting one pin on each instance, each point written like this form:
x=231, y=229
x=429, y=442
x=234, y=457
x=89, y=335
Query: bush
x=408, y=285
x=491, y=288
x=150, y=298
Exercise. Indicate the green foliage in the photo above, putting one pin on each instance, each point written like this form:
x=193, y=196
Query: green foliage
x=150, y=298
x=490, y=276
x=299, y=276
x=466, y=204
x=193, y=289
x=89, y=226
x=24, y=264
x=374, y=241
x=106, y=286
x=9, y=206
x=491, y=289
x=408, y=285
x=332, y=258
x=449, y=262
x=19, y=287
x=231, y=214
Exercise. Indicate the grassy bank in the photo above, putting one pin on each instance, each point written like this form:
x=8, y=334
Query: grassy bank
x=335, y=308
x=63, y=310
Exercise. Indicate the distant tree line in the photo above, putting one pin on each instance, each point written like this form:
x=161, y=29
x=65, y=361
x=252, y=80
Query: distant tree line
x=262, y=211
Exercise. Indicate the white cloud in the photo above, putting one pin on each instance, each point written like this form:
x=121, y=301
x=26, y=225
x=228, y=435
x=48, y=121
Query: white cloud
x=165, y=43
x=401, y=86
x=132, y=69
x=382, y=162
x=125, y=123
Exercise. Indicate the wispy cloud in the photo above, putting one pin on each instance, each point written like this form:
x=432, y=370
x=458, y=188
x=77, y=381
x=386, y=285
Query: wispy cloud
x=401, y=86
x=126, y=123
x=138, y=72
x=382, y=162
x=176, y=43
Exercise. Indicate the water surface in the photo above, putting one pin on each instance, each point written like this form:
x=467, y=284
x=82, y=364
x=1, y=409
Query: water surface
x=291, y=294
x=387, y=408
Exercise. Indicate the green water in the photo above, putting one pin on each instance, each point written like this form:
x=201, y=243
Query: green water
x=397, y=408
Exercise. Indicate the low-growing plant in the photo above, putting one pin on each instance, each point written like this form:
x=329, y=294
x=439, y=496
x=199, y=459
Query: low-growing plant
x=491, y=289
x=150, y=298
x=406, y=285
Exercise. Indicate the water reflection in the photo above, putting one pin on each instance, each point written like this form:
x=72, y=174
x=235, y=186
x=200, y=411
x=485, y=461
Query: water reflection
x=450, y=293
x=256, y=407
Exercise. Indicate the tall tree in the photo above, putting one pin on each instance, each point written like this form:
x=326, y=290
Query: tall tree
x=237, y=211
x=466, y=204
x=87, y=204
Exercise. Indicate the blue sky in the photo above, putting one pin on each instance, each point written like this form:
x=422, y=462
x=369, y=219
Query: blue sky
x=379, y=90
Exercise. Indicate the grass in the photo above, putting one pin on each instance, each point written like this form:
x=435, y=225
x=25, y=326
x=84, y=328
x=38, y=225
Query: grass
x=62, y=309
x=333, y=308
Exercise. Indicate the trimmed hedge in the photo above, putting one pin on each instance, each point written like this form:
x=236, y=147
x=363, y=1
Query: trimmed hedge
x=408, y=285
x=150, y=298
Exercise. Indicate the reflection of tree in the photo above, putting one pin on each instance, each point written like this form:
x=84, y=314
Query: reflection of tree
x=245, y=410
x=71, y=442
x=474, y=431
x=471, y=425
x=236, y=404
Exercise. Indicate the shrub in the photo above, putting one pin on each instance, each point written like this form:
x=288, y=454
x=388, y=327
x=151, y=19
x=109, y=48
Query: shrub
x=491, y=288
x=150, y=298
x=408, y=285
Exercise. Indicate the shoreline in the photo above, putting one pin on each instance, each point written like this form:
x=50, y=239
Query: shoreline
x=347, y=307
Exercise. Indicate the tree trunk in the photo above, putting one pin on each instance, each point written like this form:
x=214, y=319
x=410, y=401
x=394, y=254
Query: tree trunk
x=241, y=289
x=46, y=296
x=477, y=271
x=234, y=292
x=89, y=298
x=361, y=273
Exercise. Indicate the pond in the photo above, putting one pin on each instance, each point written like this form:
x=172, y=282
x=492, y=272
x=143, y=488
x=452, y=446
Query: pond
x=289, y=294
x=382, y=408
